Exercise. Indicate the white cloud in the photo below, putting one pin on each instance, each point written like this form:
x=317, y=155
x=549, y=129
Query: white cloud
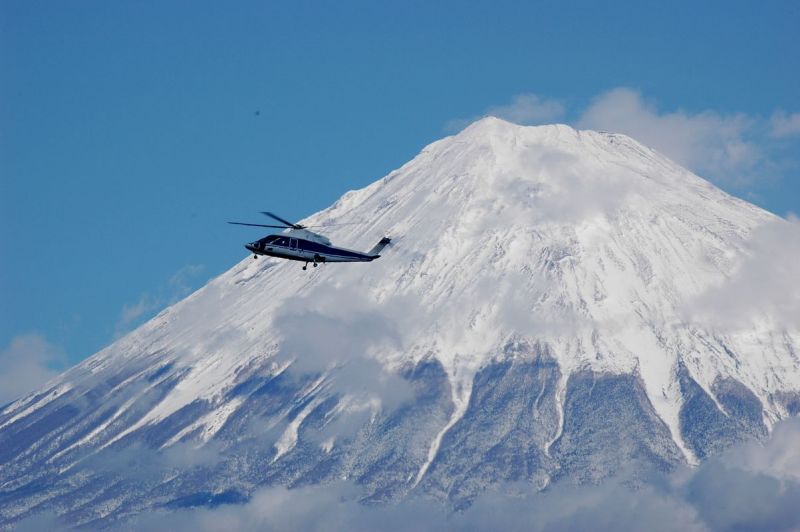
x=713, y=145
x=779, y=456
x=27, y=363
x=764, y=286
x=783, y=125
x=339, y=335
x=751, y=486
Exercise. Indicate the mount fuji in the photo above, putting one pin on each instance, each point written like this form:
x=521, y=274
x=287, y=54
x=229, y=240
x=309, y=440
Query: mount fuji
x=552, y=308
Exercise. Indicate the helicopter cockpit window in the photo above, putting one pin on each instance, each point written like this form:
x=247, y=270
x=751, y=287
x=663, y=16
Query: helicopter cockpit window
x=270, y=239
x=281, y=241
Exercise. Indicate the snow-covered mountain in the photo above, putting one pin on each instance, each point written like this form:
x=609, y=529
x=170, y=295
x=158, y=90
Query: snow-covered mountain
x=543, y=314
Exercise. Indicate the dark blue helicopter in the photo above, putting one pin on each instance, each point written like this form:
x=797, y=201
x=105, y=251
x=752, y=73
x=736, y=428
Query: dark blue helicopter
x=298, y=243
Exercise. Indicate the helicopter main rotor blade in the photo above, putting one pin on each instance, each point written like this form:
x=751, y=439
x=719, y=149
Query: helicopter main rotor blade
x=276, y=217
x=259, y=225
x=335, y=225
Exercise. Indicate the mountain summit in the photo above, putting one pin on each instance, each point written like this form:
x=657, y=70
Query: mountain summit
x=541, y=315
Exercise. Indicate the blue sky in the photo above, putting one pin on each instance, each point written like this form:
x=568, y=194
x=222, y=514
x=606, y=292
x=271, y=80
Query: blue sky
x=129, y=134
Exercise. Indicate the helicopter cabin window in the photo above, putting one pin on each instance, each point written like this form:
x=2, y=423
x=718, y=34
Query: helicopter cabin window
x=270, y=239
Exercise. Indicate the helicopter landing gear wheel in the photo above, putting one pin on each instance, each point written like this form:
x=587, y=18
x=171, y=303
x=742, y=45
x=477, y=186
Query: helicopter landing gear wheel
x=305, y=267
x=315, y=264
x=255, y=256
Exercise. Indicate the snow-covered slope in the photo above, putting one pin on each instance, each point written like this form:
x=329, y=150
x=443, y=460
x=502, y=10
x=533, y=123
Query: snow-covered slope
x=535, y=318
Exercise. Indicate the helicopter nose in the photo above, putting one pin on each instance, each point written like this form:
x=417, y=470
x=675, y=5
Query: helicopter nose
x=250, y=247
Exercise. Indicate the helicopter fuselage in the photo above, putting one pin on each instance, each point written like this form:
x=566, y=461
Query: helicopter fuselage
x=316, y=249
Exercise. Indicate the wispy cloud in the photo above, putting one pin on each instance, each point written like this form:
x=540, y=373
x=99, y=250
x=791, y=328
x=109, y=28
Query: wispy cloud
x=180, y=284
x=785, y=125
x=524, y=109
x=132, y=312
x=528, y=109
x=28, y=362
x=177, y=287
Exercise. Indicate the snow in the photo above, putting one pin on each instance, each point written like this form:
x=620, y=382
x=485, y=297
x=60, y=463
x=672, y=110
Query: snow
x=99, y=429
x=210, y=423
x=458, y=413
x=28, y=405
x=288, y=439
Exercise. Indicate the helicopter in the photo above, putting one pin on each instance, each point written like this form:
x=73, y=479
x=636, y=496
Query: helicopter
x=303, y=245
